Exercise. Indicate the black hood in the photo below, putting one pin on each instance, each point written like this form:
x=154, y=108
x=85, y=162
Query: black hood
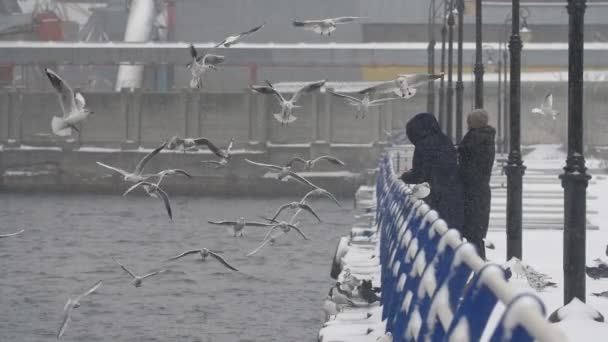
x=485, y=133
x=420, y=126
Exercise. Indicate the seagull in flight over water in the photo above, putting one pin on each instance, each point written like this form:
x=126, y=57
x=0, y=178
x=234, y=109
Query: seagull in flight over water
x=137, y=280
x=295, y=205
x=137, y=174
x=72, y=304
x=323, y=26
x=285, y=227
x=320, y=192
x=72, y=105
x=284, y=171
x=403, y=85
x=199, y=65
x=546, y=108
x=11, y=234
x=231, y=40
x=239, y=225
x=312, y=162
x=204, y=253
x=285, y=116
x=363, y=104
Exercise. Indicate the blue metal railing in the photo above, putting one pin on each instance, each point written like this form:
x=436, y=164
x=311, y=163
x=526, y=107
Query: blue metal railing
x=435, y=287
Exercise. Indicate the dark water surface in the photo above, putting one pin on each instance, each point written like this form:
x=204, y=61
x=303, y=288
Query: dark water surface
x=69, y=243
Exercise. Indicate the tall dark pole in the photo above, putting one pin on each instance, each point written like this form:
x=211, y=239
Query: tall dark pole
x=506, y=111
x=430, y=104
x=499, y=103
x=575, y=177
x=515, y=168
x=478, y=57
x=450, y=91
x=444, y=32
x=459, y=84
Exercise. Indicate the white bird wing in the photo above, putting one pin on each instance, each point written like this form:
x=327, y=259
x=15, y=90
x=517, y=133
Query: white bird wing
x=193, y=52
x=264, y=243
x=548, y=103
x=152, y=274
x=348, y=97
x=385, y=86
x=295, y=159
x=386, y=99
x=344, y=20
x=229, y=148
x=330, y=159
x=268, y=90
x=268, y=166
x=301, y=179
x=216, y=150
x=142, y=163
x=211, y=59
x=307, y=24
x=270, y=231
x=133, y=187
x=66, y=95
x=89, y=291
x=163, y=195
x=258, y=224
x=223, y=261
x=121, y=171
x=253, y=30
x=308, y=208
x=278, y=212
x=125, y=268
x=79, y=101
x=298, y=230
x=418, y=79
x=12, y=234
x=310, y=87
x=538, y=111
x=67, y=312
x=192, y=251
x=223, y=223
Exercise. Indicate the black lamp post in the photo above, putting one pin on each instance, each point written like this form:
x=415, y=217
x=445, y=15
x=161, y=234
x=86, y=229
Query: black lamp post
x=505, y=97
x=444, y=30
x=459, y=84
x=450, y=87
x=430, y=104
x=575, y=178
x=478, y=69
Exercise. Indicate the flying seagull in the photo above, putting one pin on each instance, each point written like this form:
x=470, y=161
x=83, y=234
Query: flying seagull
x=231, y=40
x=312, y=162
x=11, y=234
x=137, y=280
x=601, y=294
x=154, y=190
x=224, y=155
x=403, y=86
x=285, y=228
x=285, y=116
x=137, y=174
x=240, y=224
x=204, y=253
x=199, y=65
x=284, y=171
x=295, y=205
x=365, y=103
x=72, y=304
x=323, y=26
x=546, y=108
x=320, y=192
x=72, y=105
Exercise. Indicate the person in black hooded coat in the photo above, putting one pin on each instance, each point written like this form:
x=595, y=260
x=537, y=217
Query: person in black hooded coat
x=435, y=162
x=476, y=154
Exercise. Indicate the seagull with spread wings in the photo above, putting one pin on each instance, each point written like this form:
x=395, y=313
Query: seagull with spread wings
x=204, y=253
x=285, y=227
x=12, y=234
x=231, y=40
x=239, y=225
x=403, y=86
x=310, y=163
x=320, y=192
x=200, y=65
x=295, y=205
x=285, y=116
x=70, y=305
x=72, y=105
x=323, y=26
x=546, y=108
x=283, y=171
x=224, y=155
x=137, y=280
x=363, y=104
x=154, y=189
x=137, y=174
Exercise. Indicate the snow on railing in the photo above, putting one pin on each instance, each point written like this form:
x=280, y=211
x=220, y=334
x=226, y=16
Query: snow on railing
x=427, y=293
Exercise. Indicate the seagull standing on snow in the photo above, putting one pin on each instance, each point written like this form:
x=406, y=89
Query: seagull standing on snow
x=365, y=103
x=11, y=234
x=538, y=281
x=231, y=40
x=199, y=65
x=239, y=225
x=546, y=108
x=72, y=105
x=137, y=174
x=323, y=26
x=204, y=253
x=72, y=304
x=284, y=171
x=312, y=162
x=285, y=116
x=137, y=280
x=403, y=85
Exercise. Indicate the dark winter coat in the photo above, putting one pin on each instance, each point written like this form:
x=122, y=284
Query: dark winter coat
x=476, y=158
x=435, y=162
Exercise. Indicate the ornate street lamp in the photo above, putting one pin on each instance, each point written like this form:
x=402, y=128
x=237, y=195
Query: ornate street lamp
x=450, y=88
x=575, y=178
x=478, y=69
x=444, y=31
x=459, y=84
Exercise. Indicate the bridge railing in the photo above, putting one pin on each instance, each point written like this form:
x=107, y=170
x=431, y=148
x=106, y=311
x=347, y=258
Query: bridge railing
x=435, y=287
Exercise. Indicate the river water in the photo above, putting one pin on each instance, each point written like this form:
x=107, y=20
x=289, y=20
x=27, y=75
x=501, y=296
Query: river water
x=69, y=243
